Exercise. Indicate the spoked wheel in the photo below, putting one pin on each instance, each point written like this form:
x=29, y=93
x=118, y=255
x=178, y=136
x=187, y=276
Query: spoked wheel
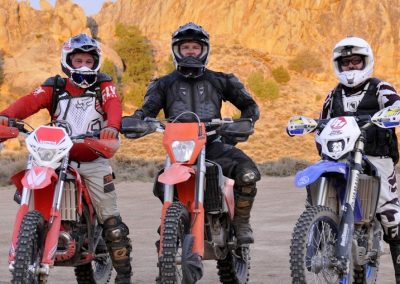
x=234, y=269
x=366, y=275
x=29, y=250
x=176, y=227
x=99, y=270
x=313, y=248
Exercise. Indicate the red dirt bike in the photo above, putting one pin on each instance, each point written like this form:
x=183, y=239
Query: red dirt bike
x=56, y=224
x=198, y=201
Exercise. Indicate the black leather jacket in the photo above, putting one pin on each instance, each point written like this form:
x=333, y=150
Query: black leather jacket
x=203, y=95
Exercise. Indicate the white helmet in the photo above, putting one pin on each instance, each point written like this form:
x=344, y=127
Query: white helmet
x=347, y=47
x=83, y=77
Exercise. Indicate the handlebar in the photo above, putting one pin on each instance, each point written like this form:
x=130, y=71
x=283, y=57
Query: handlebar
x=22, y=128
x=136, y=128
x=363, y=121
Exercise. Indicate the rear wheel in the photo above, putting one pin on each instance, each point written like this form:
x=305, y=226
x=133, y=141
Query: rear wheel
x=313, y=248
x=368, y=273
x=29, y=250
x=99, y=270
x=176, y=226
x=234, y=269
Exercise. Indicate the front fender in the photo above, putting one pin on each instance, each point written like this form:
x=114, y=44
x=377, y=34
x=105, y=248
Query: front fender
x=176, y=173
x=313, y=172
x=38, y=177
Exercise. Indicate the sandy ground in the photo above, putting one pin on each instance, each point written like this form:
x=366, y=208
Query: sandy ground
x=276, y=210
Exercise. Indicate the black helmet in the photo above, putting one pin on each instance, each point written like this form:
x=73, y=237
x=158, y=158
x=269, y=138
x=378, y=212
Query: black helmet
x=190, y=66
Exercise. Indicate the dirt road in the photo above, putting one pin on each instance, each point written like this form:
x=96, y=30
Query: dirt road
x=275, y=212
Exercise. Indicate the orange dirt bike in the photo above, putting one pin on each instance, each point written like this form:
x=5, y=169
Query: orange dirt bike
x=198, y=201
x=56, y=224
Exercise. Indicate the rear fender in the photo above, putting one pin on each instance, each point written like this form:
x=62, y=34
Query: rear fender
x=229, y=196
x=312, y=173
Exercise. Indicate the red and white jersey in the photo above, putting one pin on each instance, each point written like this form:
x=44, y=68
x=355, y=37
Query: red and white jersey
x=83, y=113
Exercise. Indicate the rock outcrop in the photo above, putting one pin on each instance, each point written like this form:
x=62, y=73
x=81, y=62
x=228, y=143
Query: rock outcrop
x=31, y=39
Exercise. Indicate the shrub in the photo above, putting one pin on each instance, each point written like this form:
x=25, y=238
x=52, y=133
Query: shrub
x=283, y=167
x=135, y=52
x=304, y=61
x=168, y=65
x=261, y=88
x=281, y=75
x=109, y=68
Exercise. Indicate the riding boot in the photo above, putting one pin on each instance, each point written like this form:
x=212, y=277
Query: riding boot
x=119, y=247
x=395, y=252
x=241, y=220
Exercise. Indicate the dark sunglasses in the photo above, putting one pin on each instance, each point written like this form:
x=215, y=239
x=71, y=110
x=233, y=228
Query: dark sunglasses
x=346, y=61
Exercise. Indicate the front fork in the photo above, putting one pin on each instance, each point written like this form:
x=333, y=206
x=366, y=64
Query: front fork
x=195, y=208
x=54, y=223
x=346, y=227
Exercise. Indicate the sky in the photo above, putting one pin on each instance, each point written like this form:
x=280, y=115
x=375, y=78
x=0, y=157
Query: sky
x=90, y=7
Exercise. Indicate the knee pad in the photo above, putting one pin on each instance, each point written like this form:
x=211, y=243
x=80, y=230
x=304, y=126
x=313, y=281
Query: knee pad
x=115, y=230
x=247, y=176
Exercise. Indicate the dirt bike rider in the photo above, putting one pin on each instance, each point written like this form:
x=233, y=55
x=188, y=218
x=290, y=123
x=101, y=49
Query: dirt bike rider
x=193, y=87
x=359, y=93
x=88, y=102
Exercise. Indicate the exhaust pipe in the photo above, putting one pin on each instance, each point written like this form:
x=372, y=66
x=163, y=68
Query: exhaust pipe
x=69, y=252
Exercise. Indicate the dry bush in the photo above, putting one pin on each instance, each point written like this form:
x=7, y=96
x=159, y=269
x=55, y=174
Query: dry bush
x=11, y=163
x=305, y=62
x=281, y=75
x=283, y=167
x=127, y=169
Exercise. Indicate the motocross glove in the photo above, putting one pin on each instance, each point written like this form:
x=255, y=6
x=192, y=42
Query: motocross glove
x=3, y=120
x=109, y=133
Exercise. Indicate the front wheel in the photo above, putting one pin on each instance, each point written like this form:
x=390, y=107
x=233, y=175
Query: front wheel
x=234, y=269
x=176, y=227
x=29, y=250
x=312, y=250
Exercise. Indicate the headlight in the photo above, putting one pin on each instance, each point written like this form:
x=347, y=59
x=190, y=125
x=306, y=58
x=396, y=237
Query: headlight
x=182, y=150
x=46, y=154
x=336, y=146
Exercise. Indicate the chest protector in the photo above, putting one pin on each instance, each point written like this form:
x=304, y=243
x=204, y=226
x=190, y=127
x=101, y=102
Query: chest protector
x=379, y=141
x=200, y=95
x=82, y=113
